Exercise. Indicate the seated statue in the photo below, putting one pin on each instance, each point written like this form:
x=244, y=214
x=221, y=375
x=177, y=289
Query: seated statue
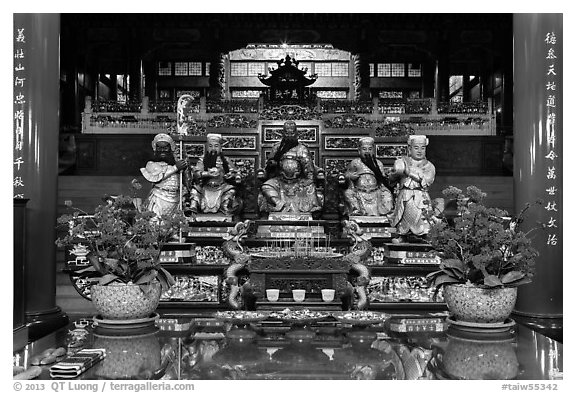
x=291, y=174
x=416, y=174
x=367, y=193
x=212, y=192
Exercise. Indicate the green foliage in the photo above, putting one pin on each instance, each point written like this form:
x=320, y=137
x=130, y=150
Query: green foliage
x=124, y=244
x=483, y=246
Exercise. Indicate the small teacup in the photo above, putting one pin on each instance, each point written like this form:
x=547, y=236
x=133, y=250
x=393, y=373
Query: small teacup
x=328, y=295
x=298, y=295
x=272, y=295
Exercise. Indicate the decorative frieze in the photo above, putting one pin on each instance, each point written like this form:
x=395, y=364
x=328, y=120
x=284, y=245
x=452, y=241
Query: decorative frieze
x=231, y=121
x=290, y=112
x=348, y=121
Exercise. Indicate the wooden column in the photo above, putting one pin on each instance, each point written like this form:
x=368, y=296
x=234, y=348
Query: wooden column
x=39, y=168
x=538, y=153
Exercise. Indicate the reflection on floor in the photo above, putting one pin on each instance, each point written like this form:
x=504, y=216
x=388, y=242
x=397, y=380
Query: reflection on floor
x=550, y=327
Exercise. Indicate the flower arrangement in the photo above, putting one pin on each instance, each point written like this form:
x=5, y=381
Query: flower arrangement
x=481, y=246
x=124, y=243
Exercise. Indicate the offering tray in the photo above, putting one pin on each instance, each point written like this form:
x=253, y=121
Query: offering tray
x=299, y=316
x=360, y=318
x=241, y=317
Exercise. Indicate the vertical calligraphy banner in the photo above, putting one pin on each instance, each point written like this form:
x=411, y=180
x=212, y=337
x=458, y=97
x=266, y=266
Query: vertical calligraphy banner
x=21, y=81
x=538, y=53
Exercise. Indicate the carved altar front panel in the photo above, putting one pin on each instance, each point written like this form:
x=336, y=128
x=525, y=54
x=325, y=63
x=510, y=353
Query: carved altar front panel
x=313, y=275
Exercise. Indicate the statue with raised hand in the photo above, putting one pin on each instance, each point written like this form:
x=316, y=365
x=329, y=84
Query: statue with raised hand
x=163, y=172
x=416, y=175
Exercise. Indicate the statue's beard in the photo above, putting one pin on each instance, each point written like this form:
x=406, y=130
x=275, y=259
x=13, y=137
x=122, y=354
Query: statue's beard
x=287, y=143
x=211, y=158
x=370, y=161
x=168, y=158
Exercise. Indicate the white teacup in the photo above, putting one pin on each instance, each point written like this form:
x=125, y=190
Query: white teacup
x=272, y=295
x=328, y=295
x=298, y=295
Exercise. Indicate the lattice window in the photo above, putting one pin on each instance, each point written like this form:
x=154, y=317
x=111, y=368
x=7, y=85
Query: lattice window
x=339, y=69
x=193, y=93
x=323, y=69
x=207, y=69
x=195, y=68
x=372, y=70
x=164, y=68
x=238, y=69
x=398, y=70
x=384, y=70
x=180, y=68
x=414, y=70
x=390, y=94
x=245, y=93
x=256, y=68
x=332, y=94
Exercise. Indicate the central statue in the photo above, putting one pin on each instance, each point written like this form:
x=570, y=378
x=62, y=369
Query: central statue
x=290, y=174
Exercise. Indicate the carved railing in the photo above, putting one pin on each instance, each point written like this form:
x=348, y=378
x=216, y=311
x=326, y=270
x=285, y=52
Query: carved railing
x=345, y=106
x=405, y=106
x=386, y=117
x=232, y=106
x=479, y=107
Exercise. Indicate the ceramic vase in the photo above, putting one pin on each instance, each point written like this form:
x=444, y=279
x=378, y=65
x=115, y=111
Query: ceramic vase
x=125, y=301
x=469, y=303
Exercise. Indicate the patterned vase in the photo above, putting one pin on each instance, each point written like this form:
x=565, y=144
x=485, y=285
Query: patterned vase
x=125, y=301
x=132, y=357
x=469, y=303
x=474, y=360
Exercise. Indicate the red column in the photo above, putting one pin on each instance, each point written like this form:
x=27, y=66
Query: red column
x=538, y=153
x=37, y=78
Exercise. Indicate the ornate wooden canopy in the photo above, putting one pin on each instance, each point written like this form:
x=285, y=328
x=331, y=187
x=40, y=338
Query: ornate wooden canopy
x=288, y=81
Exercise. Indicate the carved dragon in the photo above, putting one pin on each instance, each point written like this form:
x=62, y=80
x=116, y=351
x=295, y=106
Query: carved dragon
x=235, y=251
x=359, y=251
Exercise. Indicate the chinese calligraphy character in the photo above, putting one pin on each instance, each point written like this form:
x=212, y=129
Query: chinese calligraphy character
x=551, y=86
x=551, y=101
x=20, y=99
x=20, y=36
x=551, y=54
x=18, y=181
x=551, y=190
x=19, y=145
x=551, y=206
x=18, y=162
x=19, y=67
x=550, y=38
x=552, y=240
x=552, y=137
x=18, y=195
x=551, y=173
x=552, y=223
x=19, y=82
x=551, y=70
x=551, y=155
x=19, y=54
x=19, y=115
